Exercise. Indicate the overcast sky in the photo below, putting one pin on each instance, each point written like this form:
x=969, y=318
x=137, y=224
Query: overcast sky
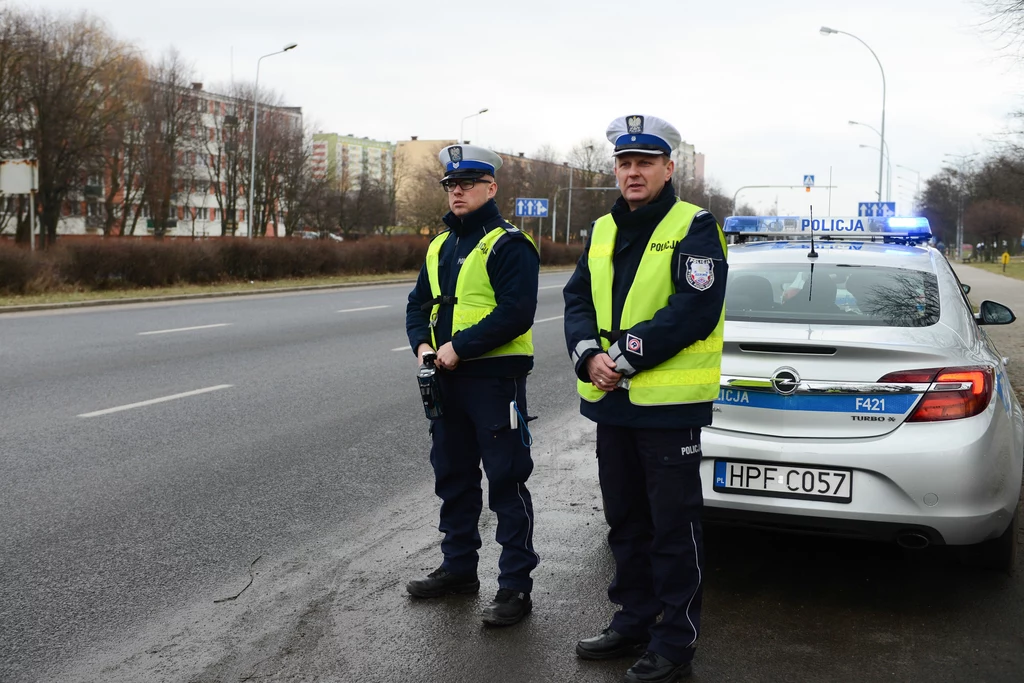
x=751, y=83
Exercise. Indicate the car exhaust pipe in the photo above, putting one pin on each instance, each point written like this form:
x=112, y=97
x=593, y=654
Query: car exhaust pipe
x=912, y=540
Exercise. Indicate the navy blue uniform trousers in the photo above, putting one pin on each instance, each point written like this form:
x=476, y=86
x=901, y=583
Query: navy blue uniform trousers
x=650, y=482
x=475, y=428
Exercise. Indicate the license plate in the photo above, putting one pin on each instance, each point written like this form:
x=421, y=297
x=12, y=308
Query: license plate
x=784, y=481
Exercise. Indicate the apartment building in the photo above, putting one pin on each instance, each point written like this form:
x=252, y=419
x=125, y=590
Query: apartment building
x=348, y=161
x=208, y=196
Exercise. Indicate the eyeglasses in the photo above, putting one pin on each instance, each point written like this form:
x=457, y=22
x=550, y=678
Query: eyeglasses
x=464, y=183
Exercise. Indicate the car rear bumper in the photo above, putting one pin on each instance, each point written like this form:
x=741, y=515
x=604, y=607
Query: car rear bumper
x=955, y=483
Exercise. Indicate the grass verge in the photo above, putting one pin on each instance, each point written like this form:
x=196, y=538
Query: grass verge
x=1014, y=269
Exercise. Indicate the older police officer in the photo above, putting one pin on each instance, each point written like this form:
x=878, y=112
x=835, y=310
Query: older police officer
x=644, y=316
x=474, y=303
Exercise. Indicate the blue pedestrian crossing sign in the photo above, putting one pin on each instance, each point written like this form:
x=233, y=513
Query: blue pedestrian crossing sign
x=537, y=208
x=808, y=181
x=876, y=209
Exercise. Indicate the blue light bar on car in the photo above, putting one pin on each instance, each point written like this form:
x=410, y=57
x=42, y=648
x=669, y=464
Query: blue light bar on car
x=856, y=227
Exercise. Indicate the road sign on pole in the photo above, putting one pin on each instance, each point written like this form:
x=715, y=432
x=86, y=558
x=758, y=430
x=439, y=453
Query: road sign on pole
x=808, y=181
x=876, y=209
x=526, y=206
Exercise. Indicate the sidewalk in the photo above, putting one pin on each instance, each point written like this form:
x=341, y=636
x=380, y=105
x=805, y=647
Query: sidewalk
x=1009, y=339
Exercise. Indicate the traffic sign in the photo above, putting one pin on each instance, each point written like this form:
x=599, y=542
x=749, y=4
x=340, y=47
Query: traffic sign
x=876, y=209
x=808, y=181
x=526, y=206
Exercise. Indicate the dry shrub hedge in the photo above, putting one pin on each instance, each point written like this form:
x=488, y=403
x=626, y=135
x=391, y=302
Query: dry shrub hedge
x=132, y=263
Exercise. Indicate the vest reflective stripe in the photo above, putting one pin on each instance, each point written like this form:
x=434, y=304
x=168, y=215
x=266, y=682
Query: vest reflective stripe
x=693, y=374
x=473, y=292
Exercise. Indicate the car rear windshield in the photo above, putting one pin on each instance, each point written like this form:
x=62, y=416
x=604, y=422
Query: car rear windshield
x=823, y=294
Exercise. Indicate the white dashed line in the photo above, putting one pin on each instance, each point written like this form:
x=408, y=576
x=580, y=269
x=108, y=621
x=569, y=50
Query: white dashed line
x=184, y=329
x=366, y=308
x=150, y=402
x=401, y=348
x=547, y=320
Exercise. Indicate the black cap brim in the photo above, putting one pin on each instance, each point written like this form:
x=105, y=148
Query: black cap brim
x=459, y=173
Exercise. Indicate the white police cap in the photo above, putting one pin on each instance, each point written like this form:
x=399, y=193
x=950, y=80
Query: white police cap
x=637, y=134
x=468, y=161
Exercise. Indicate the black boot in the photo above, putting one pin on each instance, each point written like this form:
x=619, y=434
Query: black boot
x=440, y=582
x=507, y=608
x=653, y=668
x=609, y=645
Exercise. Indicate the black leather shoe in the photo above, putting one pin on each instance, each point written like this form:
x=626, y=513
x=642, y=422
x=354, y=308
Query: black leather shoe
x=609, y=645
x=653, y=668
x=439, y=582
x=507, y=608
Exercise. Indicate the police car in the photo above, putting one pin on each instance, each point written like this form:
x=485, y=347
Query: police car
x=860, y=394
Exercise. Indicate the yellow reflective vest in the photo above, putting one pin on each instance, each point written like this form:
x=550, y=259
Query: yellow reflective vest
x=474, y=296
x=693, y=374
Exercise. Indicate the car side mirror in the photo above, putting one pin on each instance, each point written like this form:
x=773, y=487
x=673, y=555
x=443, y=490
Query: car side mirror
x=992, y=313
x=966, y=288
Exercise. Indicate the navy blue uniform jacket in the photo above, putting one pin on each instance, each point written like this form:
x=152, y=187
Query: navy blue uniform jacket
x=690, y=315
x=513, y=267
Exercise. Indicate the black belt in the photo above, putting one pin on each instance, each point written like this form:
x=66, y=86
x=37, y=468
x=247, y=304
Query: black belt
x=612, y=336
x=440, y=301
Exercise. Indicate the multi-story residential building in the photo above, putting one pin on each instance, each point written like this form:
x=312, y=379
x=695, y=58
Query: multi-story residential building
x=209, y=197
x=689, y=163
x=348, y=161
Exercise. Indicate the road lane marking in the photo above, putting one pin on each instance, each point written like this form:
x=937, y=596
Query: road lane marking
x=184, y=329
x=152, y=401
x=550, y=286
x=365, y=308
x=401, y=348
x=547, y=320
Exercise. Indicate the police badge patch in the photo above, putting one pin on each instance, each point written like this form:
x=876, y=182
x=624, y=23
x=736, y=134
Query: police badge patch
x=634, y=344
x=455, y=154
x=700, y=273
x=634, y=125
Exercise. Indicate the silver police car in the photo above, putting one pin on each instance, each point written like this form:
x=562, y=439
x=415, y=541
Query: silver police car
x=860, y=394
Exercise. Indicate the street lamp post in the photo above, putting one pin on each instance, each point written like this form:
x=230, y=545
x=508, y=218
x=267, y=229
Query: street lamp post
x=885, y=147
x=463, y=124
x=252, y=167
x=960, y=201
x=568, y=218
x=916, y=173
x=825, y=30
x=888, y=163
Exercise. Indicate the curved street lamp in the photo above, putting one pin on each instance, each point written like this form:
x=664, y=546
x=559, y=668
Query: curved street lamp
x=252, y=167
x=825, y=31
x=462, y=125
x=888, y=162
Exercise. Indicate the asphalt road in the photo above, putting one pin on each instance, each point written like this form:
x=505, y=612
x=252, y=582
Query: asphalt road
x=303, y=467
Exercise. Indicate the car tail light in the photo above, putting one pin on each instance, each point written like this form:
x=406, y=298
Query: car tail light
x=955, y=392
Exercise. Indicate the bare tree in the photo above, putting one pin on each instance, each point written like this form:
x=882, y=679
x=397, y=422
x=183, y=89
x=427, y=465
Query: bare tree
x=993, y=221
x=298, y=185
x=423, y=202
x=122, y=156
x=70, y=79
x=171, y=114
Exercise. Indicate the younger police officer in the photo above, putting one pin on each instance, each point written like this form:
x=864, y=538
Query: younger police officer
x=644, y=316
x=474, y=303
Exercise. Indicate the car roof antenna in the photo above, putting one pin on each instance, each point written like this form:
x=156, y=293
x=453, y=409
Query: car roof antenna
x=812, y=253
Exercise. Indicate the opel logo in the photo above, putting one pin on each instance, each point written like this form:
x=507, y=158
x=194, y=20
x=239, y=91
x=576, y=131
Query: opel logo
x=785, y=381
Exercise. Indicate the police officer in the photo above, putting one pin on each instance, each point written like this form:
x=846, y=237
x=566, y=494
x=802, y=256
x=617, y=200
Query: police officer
x=644, y=315
x=474, y=303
